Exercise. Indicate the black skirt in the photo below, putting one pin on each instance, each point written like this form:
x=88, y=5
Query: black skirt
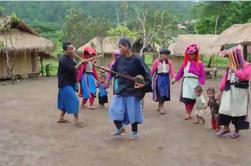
x=240, y=122
x=103, y=99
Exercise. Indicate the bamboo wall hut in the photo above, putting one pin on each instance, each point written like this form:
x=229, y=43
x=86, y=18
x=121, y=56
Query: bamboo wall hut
x=237, y=34
x=25, y=47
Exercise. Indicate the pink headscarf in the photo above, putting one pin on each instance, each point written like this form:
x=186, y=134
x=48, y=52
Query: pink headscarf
x=88, y=51
x=191, y=49
x=116, y=53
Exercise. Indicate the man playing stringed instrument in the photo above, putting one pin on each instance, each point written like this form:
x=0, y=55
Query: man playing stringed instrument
x=125, y=106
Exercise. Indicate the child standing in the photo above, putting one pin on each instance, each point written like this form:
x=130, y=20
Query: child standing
x=214, y=107
x=102, y=95
x=200, y=105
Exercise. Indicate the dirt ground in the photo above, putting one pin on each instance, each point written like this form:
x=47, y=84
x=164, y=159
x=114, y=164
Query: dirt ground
x=30, y=136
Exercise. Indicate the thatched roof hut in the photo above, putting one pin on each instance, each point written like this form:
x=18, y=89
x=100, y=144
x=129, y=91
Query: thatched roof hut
x=110, y=44
x=237, y=33
x=171, y=47
x=205, y=42
x=24, y=47
x=22, y=38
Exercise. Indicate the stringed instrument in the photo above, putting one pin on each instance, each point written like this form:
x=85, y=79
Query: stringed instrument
x=138, y=79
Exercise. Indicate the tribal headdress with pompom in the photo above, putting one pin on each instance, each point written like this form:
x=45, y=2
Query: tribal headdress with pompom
x=191, y=49
x=235, y=56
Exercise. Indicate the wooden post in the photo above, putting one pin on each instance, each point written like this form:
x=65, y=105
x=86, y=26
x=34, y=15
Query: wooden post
x=245, y=51
x=42, y=66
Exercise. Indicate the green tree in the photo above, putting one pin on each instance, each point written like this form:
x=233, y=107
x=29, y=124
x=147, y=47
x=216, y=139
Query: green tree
x=100, y=27
x=77, y=27
x=214, y=17
x=122, y=31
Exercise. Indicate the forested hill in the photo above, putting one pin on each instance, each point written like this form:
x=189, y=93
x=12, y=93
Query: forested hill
x=53, y=13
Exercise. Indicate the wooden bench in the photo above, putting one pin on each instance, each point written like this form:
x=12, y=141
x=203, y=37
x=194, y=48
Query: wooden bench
x=212, y=72
x=34, y=75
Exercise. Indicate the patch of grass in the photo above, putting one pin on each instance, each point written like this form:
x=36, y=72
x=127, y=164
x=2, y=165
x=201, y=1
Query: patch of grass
x=53, y=67
x=217, y=61
x=148, y=59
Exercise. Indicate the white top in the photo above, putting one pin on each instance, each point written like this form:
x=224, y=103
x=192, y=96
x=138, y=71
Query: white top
x=163, y=67
x=186, y=69
x=200, y=102
x=89, y=68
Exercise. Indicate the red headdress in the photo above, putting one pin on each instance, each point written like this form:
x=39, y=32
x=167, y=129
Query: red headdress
x=88, y=51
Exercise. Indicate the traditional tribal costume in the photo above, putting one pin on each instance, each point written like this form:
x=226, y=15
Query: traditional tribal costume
x=161, y=72
x=112, y=78
x=67, y=98
x=125, y=105
x=102, y=95
x=87, y=75
x=214, y=108
x=234, y=85
x=194, y=74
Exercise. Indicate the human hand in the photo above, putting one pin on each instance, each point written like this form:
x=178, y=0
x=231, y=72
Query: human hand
x=218, y=97
x=173, y=81
x=138, y=85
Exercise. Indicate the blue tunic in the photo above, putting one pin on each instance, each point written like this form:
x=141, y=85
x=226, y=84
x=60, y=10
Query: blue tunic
x=88, y=85
x=132, y=66
x=125, y=105
x=67, y=97
x=68, y=100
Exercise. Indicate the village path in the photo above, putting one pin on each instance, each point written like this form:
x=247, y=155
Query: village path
x=30, y=136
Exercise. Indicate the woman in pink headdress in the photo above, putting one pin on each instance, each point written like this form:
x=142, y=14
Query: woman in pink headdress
x=234, y=93
x=112, y=79
x=192, y=71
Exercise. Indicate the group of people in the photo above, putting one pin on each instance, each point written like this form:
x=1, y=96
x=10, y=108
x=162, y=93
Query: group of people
x=126, y=105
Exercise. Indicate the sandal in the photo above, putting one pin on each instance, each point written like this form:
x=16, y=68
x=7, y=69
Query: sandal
x=92, y=107
x=119, y=132
x=188, y=118
x=222, y=132
x=196, y=122
x=63, y=121
x=162, y=111
x=79, y=124
x=235, y=135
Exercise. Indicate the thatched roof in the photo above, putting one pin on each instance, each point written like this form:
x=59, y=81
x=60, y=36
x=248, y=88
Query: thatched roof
x=205, y=42
x=237, y=33
x=171, y=47
x=109, y=44
x=23, y=38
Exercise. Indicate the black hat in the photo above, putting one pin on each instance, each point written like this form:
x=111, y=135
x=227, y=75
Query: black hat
x=164, y=51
